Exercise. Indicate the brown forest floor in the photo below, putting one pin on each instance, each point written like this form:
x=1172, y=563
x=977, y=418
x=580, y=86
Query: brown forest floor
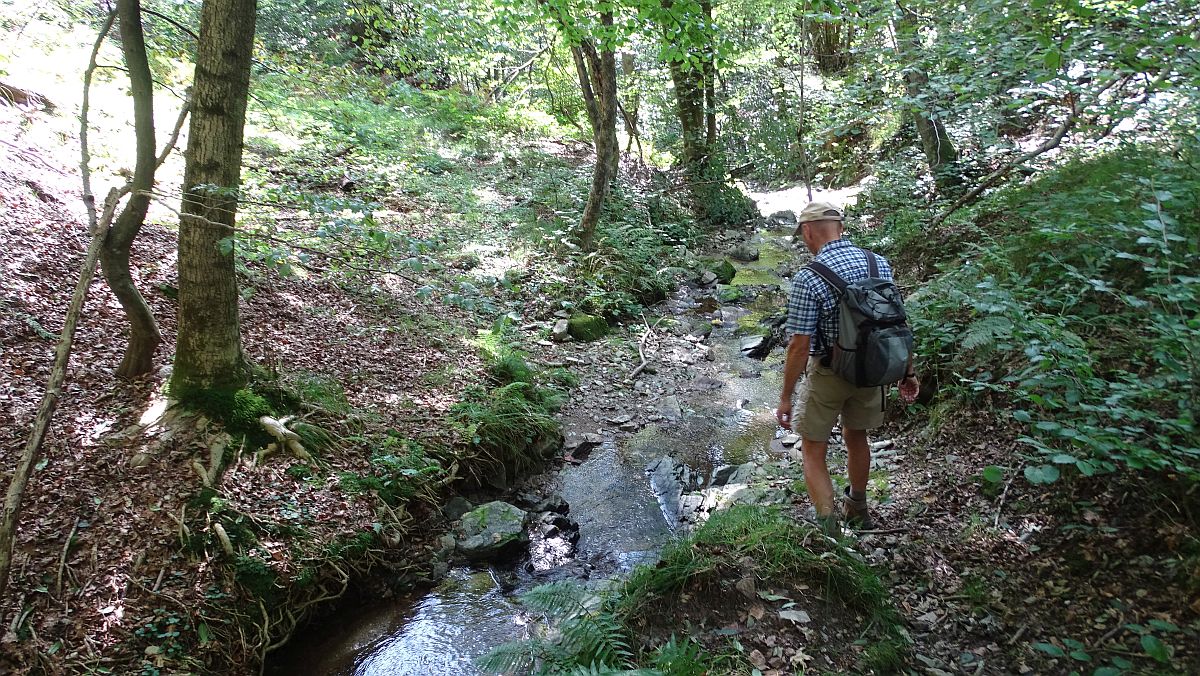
x=98, y=575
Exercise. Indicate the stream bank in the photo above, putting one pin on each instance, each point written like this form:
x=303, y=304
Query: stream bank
x=648, y=457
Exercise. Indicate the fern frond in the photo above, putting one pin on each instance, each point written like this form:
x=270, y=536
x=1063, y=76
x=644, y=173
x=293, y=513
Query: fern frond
x=985, y=331
x=558, y=600
x=515, y=657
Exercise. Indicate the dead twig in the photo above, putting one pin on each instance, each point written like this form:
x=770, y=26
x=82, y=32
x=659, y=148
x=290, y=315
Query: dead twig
x=1003, y=495
x=642, y=349
x=62, y=559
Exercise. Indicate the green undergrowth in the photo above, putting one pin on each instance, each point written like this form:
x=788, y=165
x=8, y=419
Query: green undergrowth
x=597, y=628
x=1079, y=310
x=508, y=421
x=642, y=243
x=783, y=551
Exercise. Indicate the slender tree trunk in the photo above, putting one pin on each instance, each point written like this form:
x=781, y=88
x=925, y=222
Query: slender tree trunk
x=208, y=353
x=630, y=111
x=597, y=71
x=98, y=226
x=144, y=336
x=709, y=74
x=940, y=153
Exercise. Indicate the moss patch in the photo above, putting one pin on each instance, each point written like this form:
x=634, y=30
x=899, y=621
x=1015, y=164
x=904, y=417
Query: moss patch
x=723, y=269
x=587, y=327
x=755, y=277
x=752, y=324
x=771, y=256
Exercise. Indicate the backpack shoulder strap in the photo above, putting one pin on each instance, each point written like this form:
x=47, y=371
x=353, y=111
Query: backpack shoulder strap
x=872, y=264
x=831, y=278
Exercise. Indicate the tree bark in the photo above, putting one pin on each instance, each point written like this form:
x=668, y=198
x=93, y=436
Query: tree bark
x=940, y=153
x=597, y=71
x=144, y=336
x=208, y=352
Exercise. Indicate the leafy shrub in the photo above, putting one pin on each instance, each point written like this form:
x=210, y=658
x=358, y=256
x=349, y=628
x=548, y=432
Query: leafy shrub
x=1084, y=313
x=400, y=468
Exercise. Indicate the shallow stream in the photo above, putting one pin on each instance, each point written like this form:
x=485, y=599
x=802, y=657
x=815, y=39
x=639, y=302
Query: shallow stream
x=727, y=419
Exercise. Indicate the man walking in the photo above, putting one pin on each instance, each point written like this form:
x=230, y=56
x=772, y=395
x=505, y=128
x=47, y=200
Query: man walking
x=812, y=323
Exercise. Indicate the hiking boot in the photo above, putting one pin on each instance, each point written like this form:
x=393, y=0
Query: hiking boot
x=828, y=524
x=856, y=512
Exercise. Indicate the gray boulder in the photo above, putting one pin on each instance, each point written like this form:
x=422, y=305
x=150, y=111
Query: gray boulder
x=732, y=474
x=456, y=507
x=493, y=530
x=747, y=253
x=779, y=219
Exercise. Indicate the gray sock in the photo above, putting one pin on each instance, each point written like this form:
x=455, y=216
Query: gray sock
x=858, y=496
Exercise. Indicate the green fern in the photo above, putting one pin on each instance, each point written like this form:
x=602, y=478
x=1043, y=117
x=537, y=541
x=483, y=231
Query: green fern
x=680, y=658
x=559, y=600
x=984, y=332
x=587, y=637
x=514, y=657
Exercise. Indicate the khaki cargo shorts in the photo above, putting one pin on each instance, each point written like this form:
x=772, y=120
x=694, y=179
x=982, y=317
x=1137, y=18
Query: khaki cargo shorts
x=823, y=395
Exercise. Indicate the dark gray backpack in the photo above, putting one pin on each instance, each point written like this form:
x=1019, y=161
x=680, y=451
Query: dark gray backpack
x=874, y=341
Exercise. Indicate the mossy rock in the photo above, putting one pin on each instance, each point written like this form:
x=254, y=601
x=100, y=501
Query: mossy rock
x=752, y=324
x=587, y=327
x=724, y=270
x=728, y=294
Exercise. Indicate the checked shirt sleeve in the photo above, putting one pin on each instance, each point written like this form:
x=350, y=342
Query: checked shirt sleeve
x=803, y=306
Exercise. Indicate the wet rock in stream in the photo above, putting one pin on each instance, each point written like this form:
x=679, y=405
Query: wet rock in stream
x=492, y=531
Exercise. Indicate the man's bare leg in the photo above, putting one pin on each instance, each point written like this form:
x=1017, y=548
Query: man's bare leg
x=816, y=476
x=858, y=460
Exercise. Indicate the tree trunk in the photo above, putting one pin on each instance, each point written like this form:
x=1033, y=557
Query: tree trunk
x=630, y=111
x=689, y=107
x=937, y=145
x=208, y=353
x=709, y=75
x=144, y=337
x=597, y=71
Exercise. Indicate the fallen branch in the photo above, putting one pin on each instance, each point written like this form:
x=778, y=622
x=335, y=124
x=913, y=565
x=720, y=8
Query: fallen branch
x=62, y=559
x=642, y=350
x=1004, y=494
x=1050, y=144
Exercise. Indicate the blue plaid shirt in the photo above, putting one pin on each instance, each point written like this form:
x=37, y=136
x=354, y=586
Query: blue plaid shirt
x=812, y=305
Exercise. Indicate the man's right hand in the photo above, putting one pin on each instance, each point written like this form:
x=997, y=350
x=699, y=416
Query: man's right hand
x=910, y=387
x=784, y=414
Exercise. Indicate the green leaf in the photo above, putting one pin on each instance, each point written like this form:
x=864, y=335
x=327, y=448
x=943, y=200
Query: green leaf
x=1049, y=649
x=1044, y=474
x=1106, y=671
x=1156, y=648
x=1080, y=656
x=993, y=474
x=1052, y=59
x=1064, y=459
x=1022, y=416
x=1162, y=625
x=202, y=632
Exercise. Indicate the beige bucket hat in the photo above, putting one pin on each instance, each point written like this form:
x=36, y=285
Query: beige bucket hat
x=819, y=211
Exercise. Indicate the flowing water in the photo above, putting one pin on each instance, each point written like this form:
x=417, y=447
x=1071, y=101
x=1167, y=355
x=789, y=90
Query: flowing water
x=621, y=522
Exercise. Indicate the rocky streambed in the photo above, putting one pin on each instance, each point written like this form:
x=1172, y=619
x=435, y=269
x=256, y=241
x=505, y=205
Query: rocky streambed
x=649, y=453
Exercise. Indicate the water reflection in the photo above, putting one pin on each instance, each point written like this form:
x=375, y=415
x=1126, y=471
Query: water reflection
x=449, y=627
